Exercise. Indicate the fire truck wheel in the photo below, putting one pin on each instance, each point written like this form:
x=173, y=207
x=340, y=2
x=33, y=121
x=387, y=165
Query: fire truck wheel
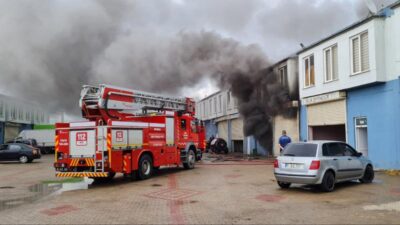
x=191, y=160
x=145, y=167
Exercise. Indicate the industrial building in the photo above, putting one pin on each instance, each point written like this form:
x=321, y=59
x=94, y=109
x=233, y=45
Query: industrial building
x=17, y=115
x=350, y=87
x=219, y=111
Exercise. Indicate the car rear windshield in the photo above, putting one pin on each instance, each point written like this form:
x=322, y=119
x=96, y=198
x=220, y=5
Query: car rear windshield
x=300, y=150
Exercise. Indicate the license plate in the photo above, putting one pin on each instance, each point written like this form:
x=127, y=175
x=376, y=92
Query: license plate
x=294, y=166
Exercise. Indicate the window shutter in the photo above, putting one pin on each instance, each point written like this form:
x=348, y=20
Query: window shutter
x=328, y=66
x=334, y=63
x=306, y=73
x=356, y=55
x=364, y=52
x=312, y=77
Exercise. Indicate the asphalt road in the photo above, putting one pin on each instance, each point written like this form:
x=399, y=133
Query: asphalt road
x=230, y=192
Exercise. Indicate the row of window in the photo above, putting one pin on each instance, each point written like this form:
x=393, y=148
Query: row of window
x=215, y=104
x=359, y=60
x=12, y=112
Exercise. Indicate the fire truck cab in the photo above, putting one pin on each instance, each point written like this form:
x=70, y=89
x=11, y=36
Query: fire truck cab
x=122, y=137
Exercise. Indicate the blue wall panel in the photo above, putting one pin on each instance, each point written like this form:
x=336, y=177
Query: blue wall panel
x=1, y=132
x=211, y=128
x=380, y=104
x=303, y=123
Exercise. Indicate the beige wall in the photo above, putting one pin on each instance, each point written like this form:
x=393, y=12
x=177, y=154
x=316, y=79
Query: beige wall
x=290, y=125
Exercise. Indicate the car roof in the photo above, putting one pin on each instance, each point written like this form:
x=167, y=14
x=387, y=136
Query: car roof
x=320, y=142
x=14, y=143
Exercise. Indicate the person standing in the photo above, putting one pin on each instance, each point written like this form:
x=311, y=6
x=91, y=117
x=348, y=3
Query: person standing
x=284, y=140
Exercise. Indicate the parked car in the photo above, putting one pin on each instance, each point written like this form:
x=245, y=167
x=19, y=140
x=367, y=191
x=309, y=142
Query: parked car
x=18, y=152
x=31, y=142
x=322, y=163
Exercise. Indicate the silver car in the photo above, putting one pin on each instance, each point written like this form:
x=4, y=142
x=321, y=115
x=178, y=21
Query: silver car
x=321, y=162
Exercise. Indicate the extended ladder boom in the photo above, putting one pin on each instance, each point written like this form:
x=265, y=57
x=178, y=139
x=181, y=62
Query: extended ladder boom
x=108, y=101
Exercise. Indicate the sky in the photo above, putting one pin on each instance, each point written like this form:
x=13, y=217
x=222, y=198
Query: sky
x=50, y=48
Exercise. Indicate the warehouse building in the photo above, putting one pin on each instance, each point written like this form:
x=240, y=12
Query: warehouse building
x=350, y=87
x=17, y=115
x=219, y=111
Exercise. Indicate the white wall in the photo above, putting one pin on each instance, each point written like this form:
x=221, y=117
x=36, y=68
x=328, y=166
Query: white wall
x=392, y=45
x=219, y=106
x=376, y=70
x=17, y=111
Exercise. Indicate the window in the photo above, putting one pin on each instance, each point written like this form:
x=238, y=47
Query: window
x=20, y=114
x=229, y=98
x=300, y=150
x=210, y=107
x=331, y=149
x=348, y=151
x=183, y=124
x=283, y=76
x=359, y=53
x=215, y=104
x=220, y=103
x=309, y=79
x=204, y=108
x=1, y=109
x=15, y=147
x=331, y=63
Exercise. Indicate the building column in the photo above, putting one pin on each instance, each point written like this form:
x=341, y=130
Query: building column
x=1, y=132
x=229, y=141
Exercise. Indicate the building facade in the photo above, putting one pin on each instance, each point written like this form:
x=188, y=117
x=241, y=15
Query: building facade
x=220, y=114
x=221, y=117
x=287, y=70
x=17, y=115
x=349, y=87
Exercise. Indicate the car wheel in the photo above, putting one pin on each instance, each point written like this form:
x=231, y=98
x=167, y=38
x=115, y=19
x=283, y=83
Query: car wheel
x=23, y=159
x=191, y=160
x=368, y=175
x=145, y=167
x=328, y=182
x=284, y=185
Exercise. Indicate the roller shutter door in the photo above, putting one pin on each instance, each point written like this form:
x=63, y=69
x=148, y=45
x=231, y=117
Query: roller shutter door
x=237, y=129
x=11, y=131
x=330, y=113
x=223, y=130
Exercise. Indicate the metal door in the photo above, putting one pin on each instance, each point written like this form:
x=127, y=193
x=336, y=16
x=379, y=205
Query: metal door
x=336, y=154
x=82, y=143
x=355, y=166
x=361, y=135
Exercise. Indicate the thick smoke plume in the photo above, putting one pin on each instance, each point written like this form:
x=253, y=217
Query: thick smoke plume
x=49, y=49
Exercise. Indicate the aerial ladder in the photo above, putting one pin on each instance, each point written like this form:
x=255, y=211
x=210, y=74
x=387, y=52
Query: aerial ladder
x=109, y=102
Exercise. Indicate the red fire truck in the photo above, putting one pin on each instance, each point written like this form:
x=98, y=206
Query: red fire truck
x=130, y=132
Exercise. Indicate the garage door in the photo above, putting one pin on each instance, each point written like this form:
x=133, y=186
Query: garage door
x=330, y=113
x=237, y=129
x=11, y=131
x=223, y=130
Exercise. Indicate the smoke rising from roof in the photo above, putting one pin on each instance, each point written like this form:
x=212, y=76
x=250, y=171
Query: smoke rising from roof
x=49, y=49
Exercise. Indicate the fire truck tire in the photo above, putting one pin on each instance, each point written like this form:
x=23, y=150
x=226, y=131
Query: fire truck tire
x=145, y=167
x=191, y=160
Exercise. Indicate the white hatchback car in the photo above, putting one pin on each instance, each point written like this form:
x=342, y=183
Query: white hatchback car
x=321, y=162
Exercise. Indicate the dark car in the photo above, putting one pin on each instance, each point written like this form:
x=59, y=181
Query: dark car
x=31, y=142
x=18, y=152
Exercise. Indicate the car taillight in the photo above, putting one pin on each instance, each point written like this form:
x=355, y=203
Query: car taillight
x=315, y=164
x=276, y=163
